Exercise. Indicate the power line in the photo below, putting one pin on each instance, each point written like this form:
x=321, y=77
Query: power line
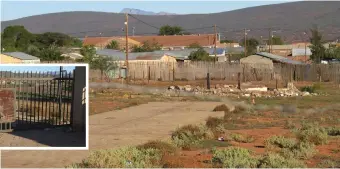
x=143, y=22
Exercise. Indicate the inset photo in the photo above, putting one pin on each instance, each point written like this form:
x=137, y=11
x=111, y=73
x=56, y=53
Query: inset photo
x=43, y=106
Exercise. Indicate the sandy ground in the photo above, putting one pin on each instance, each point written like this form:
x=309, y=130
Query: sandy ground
x=130, y=126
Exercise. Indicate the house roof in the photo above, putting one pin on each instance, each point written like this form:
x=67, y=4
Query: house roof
x=97, y=41
x=132, y=56
x=278, y=58
x=178, y=40
x=21, y=55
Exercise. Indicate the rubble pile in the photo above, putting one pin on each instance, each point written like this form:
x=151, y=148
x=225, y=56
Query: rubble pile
x=250, y=91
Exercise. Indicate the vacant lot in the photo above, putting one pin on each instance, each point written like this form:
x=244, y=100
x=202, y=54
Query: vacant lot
x=275, y=133
x=129, y=126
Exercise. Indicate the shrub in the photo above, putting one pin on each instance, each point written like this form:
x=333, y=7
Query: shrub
x=280, y=141
x=333, y=131
x=129, y=157
x=328, y=164
x=213, y=122
x=276, y=161
x=301, y=150
x=164, y=147
x=239, y=109
x=289, y=125
x=312, y=133
x=222, y=107
x=190, y=136
x=311, y=89
x=233, y=157
x=240, y=138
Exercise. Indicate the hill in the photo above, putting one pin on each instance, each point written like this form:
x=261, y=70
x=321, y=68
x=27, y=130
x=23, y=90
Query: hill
x=291, y=18
x=142, y=12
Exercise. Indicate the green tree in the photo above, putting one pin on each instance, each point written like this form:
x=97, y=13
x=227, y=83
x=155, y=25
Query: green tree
x=194, y=46
x=52, y=53
x=113, y=45
x=276, y=40
x=317, y=48
x=104, y=64
x=170, y=30
x=252, y=44
x=332, y=52
x=16, y=38
x=226, y=41
x=89, y=53
x=147, y=47
x=200, y=55
x=33, y=50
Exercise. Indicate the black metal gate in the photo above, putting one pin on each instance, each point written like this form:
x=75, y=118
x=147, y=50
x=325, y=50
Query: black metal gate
x=43, y=99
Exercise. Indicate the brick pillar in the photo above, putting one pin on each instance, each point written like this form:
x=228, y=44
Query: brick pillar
x=78, y=112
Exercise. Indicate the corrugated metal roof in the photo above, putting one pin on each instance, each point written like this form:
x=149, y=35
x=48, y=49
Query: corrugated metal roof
x=21, y=55
x=132, y=56
x=278, y=58
x=234, y=50
x=301, y=51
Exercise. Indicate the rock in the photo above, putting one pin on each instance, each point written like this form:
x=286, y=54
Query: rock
x=171, y=88
x=260, y=89
x=247, y=95
x=187, y=88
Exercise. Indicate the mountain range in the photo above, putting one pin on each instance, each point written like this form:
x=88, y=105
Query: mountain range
x=142, y=12
x=288, y=20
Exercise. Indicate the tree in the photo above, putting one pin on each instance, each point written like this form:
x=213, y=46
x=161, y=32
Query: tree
x=194, y=46
x=89, y=53
x=16, y=38
x=317, y=48
x=276, y=40
x=252, y=44
x=52, y=53
x=170, y=30
x=33, y=50
x=104, y=64
x=147, y=47
x=200, y=55
x=226, y=41
x=332, y=52
x=113, y=45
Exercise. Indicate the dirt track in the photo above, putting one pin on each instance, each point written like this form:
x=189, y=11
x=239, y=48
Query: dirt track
x=130, y=126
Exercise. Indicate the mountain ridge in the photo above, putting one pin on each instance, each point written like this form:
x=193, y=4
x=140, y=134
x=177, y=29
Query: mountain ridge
x=143, y=12
x=293, y=18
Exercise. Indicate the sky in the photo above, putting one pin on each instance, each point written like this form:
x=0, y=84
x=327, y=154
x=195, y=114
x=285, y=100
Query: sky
x=11, y=9
x=34, y=68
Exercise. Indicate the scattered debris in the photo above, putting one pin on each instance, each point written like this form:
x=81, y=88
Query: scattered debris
x=246, y=91
x=221, y=139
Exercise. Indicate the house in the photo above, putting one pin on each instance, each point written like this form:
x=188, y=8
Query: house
x=17, y=57
x=231, y=45
x=180, y=42
x=102, y=42
x=268, y=59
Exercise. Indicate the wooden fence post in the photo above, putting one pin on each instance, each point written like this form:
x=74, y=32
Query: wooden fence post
x=239, y=80
x=208, y=81
x=78, y=109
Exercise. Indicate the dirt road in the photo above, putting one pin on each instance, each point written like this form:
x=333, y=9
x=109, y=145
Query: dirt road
x=130, y=126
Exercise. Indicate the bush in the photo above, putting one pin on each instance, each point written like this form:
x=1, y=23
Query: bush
x=190, y=136
x=222, y=107
x=213, y=122
x=301, y=150
x=311, y=89
x=164, y=147
x=328, y=164
x=240, y=138
x=312, y=133
x=129, y=157
x=276, y=161
x=280, y=141
x=333, y=131
x=239, y=109
x=233, y=157
x=289, y=125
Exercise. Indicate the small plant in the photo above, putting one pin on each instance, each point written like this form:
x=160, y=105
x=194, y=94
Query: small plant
x=328, y=164
x=302, y=150
x=333, y=131
x=129, y=157
x=311, y=89
x=164, y=147
x=239, y=109
x=276, y=161
x=242, y=139
x=312, y=133
x=190, y=136
x=213, y=122
x=280, y=142
x=289, y=125
x=233, y=157
x=222, y=107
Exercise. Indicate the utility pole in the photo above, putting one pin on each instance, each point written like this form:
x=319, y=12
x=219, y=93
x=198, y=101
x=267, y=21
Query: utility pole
x=133, y=31
x=215, y=43
x=127, y=46
x=245, y=42
x=270, y=40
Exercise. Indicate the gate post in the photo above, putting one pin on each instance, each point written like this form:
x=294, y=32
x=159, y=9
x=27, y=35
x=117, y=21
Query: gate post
x=78, y=109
